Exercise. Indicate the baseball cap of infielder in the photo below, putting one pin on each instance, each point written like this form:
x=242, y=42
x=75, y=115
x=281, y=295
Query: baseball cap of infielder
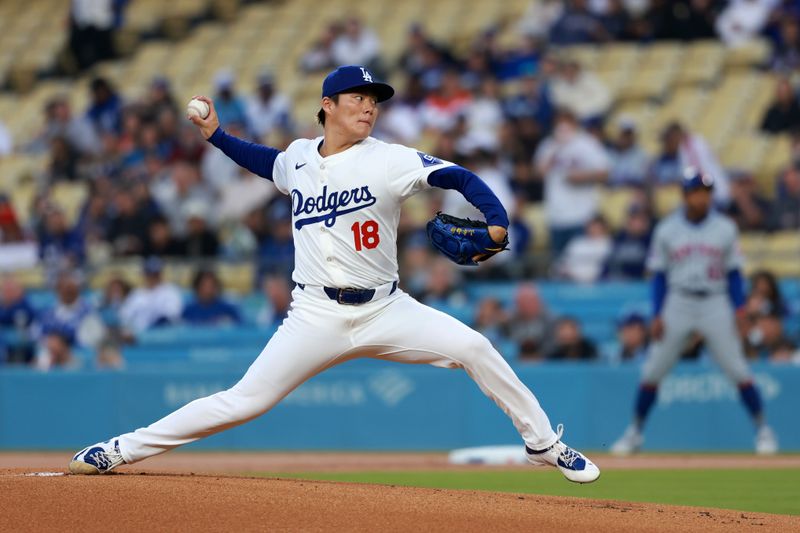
x=350, y=77
x=694, y=179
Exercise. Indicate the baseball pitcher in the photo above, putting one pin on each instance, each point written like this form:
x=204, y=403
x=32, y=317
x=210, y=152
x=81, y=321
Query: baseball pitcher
x=346, y=190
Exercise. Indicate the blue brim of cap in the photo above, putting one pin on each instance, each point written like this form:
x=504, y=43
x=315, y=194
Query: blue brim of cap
x=382, y=91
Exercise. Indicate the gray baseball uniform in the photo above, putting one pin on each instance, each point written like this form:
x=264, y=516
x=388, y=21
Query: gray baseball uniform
x=696, y=259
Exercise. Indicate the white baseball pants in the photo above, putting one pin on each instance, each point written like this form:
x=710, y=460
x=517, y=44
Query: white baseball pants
x=320, y=333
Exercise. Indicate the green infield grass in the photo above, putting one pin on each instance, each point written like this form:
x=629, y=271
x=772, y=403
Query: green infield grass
x=758, y=490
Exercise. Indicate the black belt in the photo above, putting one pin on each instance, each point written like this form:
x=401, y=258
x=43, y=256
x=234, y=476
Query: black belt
x=350, y=296
x=696, y=293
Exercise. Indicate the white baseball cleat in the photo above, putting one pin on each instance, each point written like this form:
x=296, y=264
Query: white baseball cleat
x=766, y=441
x=97, y=459
x=573, y=464
x=629, y=443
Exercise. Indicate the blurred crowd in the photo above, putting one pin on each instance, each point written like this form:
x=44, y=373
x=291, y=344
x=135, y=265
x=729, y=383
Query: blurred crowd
x=528, y=331
x=530, y=120
x=82, y=329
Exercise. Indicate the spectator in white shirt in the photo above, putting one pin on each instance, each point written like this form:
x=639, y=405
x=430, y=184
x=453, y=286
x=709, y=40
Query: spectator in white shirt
x=356, y=45
x=246, y=193
x=742, y=20
x=91, y=25
x=540, y=17
x=59, y=122
x=268, y=110
x=695, y=152
x=484, y=116
x=444, y=106
x=585, y=255
x=6, y=143
x=155, y=304
x=181, y=187
x=573, y=164
x=581, y=91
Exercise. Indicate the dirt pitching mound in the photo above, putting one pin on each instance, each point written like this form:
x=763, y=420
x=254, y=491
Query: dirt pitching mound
x=227, y=463
x=184, y=502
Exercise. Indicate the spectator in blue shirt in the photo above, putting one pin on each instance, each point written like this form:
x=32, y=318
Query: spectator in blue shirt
x=532, y=102
x=633, y=338
x=278, y=296
x=577, y=26
x=631, y=244
x=60, y=247
x=16, y=316
x=106, y=107
x=667, y=168
x=73, y=321
x=208, y=306
x=15, y=309
x=230, y=107
x=276, y=250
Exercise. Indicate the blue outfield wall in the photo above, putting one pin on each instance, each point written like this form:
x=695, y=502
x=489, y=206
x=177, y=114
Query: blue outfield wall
x=371, y=405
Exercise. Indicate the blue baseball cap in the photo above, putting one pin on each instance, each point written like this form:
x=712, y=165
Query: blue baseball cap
x=153, y=265
x=351, y=77
x=694, y=179
x=631, y=318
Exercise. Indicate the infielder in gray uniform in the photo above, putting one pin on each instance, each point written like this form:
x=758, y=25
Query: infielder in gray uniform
x=697, y=287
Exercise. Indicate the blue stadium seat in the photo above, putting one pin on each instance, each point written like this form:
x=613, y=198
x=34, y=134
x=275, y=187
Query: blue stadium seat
x=135, y=355
x=205, y=336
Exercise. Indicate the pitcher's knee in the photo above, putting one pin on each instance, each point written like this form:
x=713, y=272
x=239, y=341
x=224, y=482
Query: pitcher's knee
x=475, y=348
x=237, y=406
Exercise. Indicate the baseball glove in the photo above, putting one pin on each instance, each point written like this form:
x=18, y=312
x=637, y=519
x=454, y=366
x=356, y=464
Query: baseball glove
x=463, y=241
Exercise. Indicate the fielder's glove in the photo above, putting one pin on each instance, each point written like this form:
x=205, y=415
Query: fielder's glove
x=463, y=241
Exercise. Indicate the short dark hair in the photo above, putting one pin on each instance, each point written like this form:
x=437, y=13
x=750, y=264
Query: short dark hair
x=321, y=112
x=202, y=274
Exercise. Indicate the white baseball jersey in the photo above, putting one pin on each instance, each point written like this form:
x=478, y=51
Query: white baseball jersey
x=568, y=204
x=695, y=257
x=346, y=208
x=345, y=211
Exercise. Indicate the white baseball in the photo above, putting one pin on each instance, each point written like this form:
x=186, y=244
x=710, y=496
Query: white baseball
x=197, y=108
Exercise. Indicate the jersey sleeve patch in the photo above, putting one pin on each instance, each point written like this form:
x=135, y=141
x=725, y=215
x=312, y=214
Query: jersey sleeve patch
x=429, y=160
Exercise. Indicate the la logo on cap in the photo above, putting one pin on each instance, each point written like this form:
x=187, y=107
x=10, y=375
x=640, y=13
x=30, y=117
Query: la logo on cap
x=366, y=74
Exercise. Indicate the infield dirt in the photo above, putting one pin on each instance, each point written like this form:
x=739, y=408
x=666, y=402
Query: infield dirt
x=166, y=496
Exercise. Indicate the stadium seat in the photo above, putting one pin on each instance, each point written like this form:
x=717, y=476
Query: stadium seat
x=204, y=336
x=744, y=152
x=585, y=55
x=614, y=205
x=130, y=271
x=650, y=83
x=237, y=277
x=666, y=200
x=534, y=217
x=31, y=277
x=754, y=53
x=665, y=54
x=784, y=244
x=70, y=197
x=777, y=158
x=618, y=57
x=684, y=105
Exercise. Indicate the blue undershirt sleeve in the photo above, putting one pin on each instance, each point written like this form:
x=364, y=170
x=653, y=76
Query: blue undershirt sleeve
x=256, y=158
x=659, y=292
x=736, y=288
x=474, y=190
